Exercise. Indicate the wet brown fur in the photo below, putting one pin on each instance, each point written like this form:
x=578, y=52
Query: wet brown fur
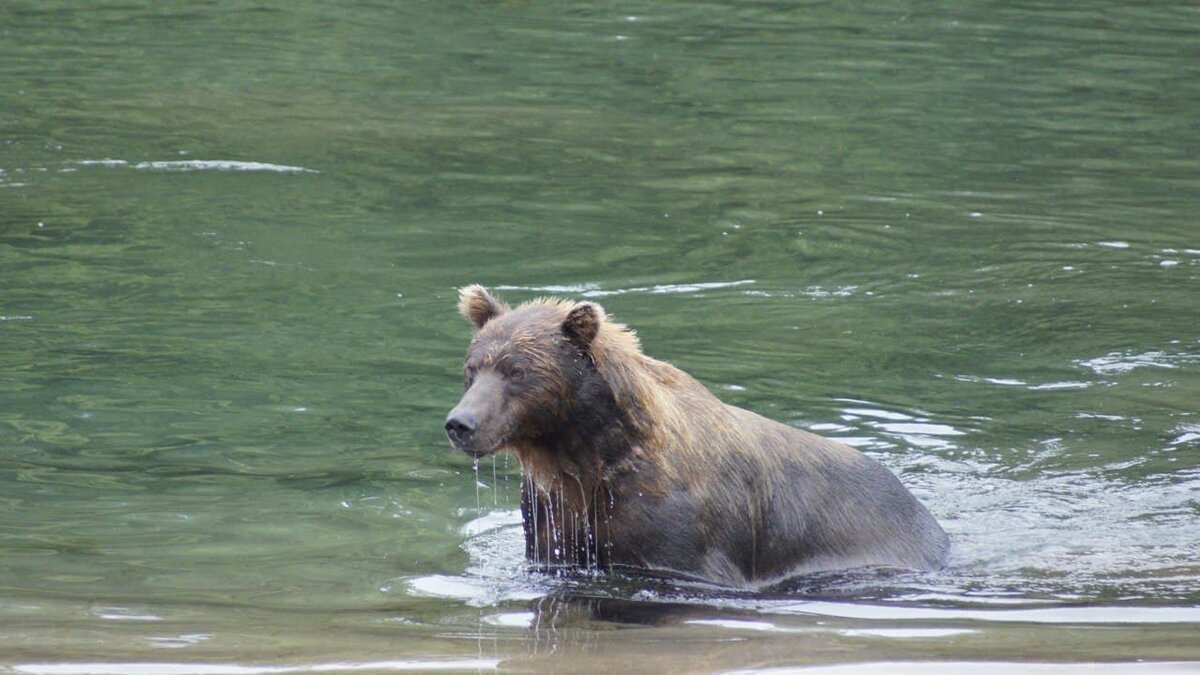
x=669, y=478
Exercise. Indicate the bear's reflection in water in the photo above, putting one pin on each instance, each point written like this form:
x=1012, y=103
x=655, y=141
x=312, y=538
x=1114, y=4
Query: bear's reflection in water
x=639, y=599
x=669, y=636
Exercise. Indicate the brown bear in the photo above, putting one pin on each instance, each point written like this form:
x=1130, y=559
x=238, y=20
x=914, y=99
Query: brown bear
x=630, y=463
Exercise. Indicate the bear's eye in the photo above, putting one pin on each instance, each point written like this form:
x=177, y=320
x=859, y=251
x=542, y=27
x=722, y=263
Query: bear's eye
x=516, y=374
x=469, y=375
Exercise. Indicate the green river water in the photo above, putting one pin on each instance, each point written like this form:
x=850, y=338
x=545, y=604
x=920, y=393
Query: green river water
x=962, y=237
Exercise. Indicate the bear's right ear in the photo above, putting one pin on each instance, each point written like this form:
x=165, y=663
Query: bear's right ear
x=582, y=324
x=475, y=303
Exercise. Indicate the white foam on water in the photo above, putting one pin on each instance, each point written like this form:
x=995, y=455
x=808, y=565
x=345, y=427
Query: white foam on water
x=906, y=633
x=497, y=573
x=740, y=624
x=101, y=162
x=1188, y=433
x=1051, y=386
x=221, y=165
x=196, y=165
x=511, y=619
x=977, y=668
x=1117, y=363
x=490, y=521
x=878, y=413
x=1046, y=615
x=591, y=290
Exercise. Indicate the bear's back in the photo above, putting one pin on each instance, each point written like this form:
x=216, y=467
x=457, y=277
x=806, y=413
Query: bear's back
x=757, y=501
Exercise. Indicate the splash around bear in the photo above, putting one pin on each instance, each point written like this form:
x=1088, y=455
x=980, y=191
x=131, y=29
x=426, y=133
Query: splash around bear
x=630, y=463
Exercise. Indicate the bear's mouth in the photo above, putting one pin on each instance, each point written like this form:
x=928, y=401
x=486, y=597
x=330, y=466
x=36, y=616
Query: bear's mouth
x=470, y=444
x=475, y=453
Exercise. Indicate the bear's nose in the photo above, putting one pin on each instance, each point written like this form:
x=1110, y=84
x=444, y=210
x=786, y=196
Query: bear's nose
x=460, y=426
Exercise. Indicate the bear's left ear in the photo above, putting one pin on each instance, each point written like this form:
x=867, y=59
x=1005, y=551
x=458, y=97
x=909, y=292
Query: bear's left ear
x=582, y=323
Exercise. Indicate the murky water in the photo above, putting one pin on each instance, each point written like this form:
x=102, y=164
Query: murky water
x=962, y=238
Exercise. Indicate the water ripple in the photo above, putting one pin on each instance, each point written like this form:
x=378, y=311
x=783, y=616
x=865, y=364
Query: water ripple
x=197, y=165
x=1117, y=363
x=591, y=290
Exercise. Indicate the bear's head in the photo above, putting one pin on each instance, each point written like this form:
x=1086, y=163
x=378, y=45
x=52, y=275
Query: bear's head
x=530, y=376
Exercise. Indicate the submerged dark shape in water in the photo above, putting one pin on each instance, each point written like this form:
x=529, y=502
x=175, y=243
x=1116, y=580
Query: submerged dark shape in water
x=631, y=463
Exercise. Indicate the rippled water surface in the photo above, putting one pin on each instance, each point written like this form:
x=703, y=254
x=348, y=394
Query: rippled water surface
x=961, y=237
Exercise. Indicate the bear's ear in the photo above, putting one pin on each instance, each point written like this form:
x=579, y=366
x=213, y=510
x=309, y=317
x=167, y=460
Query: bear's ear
x=582, y=323
x=475, y=303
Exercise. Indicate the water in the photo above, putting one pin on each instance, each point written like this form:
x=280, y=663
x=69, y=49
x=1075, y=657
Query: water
x=959, y=237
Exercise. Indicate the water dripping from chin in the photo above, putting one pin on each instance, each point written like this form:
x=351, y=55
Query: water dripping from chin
x=475, y=466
